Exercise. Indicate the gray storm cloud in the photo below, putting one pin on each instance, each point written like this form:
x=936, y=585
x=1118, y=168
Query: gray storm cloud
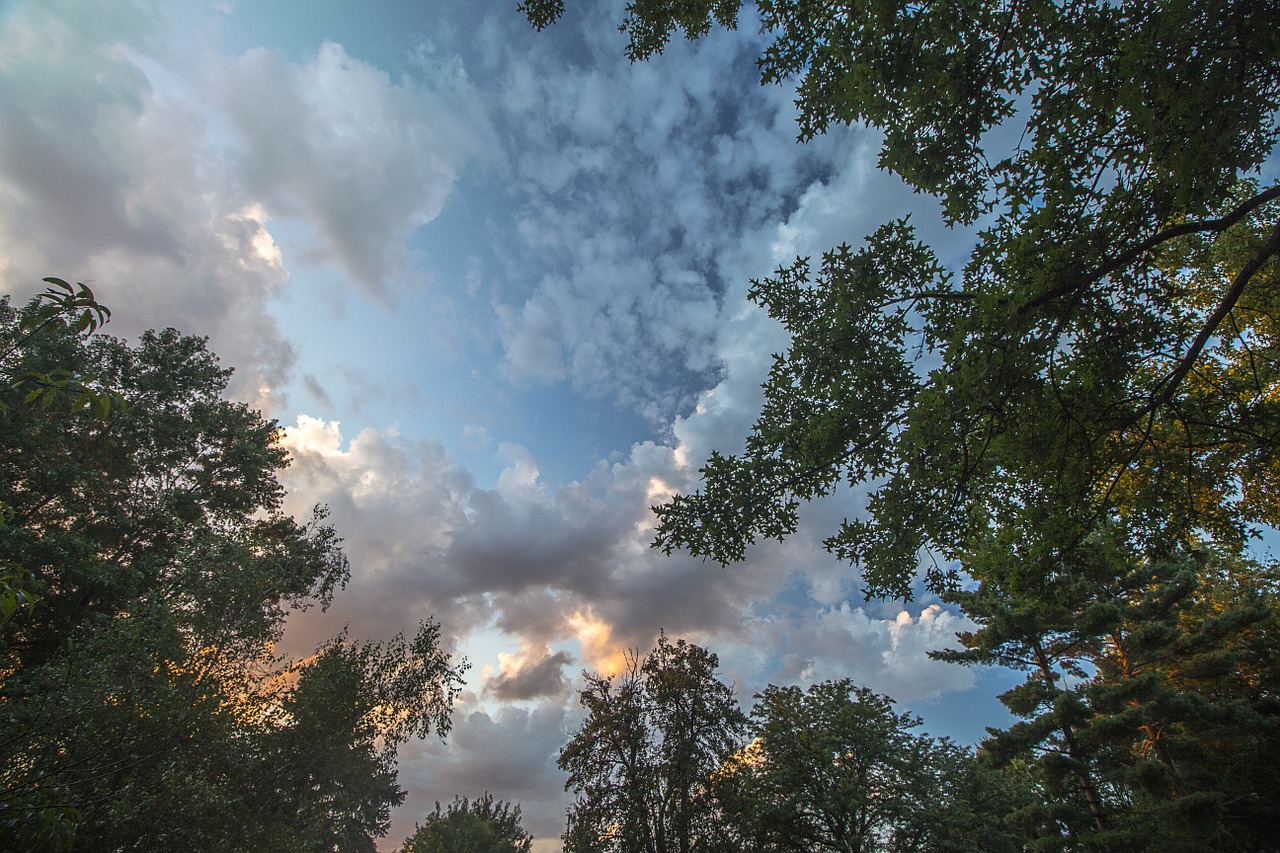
x=544, y=677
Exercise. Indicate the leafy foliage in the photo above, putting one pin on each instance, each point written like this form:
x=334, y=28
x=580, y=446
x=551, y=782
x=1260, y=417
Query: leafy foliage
x=60, y=303
x=649, y=23
x=141, y=705
x=483, y=825
x=76, y=307
x=661, y=764
x=640, y=766
x=835, y=768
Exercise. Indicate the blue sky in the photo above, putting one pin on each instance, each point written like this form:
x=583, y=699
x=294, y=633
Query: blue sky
x=492, y=282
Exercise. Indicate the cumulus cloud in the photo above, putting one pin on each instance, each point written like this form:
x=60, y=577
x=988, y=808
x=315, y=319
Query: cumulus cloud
x=565, y=575
x=509, y=752
x=547, y=567
x=362, y=159
x=117, y=167
x=637, y=185
x=106, y=176
x=649, y=194
x=887, y=655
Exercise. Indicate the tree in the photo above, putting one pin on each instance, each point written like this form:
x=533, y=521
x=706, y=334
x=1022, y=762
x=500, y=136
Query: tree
x=640, y=765
x=332, y=754
x=1077, y=367
x=483, y=825
x=141, y=706
x=59, y=303
x=1143, y=695
x=835, y=768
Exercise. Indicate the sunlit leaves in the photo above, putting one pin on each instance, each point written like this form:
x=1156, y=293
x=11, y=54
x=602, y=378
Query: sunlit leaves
x=1135, y=695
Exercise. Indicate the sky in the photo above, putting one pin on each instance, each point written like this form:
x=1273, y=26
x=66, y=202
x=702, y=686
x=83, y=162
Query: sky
x=492, y=283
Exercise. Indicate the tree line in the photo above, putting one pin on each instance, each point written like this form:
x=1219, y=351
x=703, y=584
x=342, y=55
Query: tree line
x=1170, y=753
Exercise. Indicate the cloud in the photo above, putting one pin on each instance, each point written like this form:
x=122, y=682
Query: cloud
x=564, y=575
x=523, y=678
x=633, y=204
x=106, y=176
x=647, y=195
x=336, y=143
x=186, y=187
x=636, y=188
x=887, y=655
x=509, y=752
x=546, y=567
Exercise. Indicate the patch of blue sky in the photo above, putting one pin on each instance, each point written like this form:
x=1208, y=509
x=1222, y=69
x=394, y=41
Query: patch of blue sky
x=964, y=715
x=297, y=29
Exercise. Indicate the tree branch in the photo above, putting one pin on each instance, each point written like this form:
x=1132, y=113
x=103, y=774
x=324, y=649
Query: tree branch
x=1169, y=385
x=1170, y=233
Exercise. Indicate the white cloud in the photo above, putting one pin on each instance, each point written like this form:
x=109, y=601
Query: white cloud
x=887, y=655
x=549, y=568
x=532, y=336
x=642, y=188
x=532, y=672
x=361, y=158
x=117, y=167
x=106, y=176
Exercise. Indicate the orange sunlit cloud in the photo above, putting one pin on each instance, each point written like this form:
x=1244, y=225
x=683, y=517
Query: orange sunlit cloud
x=600, y=651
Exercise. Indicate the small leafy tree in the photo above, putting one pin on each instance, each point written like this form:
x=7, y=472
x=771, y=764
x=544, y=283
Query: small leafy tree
x=482, y=825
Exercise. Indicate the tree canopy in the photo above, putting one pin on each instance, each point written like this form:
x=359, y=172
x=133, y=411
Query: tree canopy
x=834, y=767
x=640, y=765
x=142, y=706
x=666, y=761
x=1108, y=349
x=1143, y=696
